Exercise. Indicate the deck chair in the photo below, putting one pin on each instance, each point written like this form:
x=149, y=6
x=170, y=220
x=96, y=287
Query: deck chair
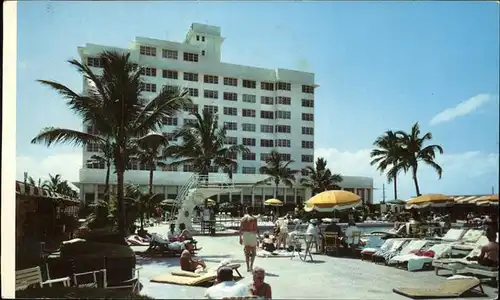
x=490, y=273
x=331, y=243
x=454, y=288
x=354, y=242
x=33, y=276
x=456, y=264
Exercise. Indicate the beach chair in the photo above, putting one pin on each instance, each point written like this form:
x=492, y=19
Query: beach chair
x=33, y=276
x=331, y=243
x=369, y=250
x=488, y=273
x=398, y=244
x=467, y=243
x=455, y=288
x=458, y=264
x=413, y=245
x=453, y=235
x=420, y=260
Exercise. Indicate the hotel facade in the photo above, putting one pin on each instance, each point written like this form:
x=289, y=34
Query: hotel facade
x=263, y=109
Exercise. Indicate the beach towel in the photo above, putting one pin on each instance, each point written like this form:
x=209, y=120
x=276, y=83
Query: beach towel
x=412, y=246
x=417, y=262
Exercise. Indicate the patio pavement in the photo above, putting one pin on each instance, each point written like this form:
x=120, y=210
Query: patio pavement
x=325, y=278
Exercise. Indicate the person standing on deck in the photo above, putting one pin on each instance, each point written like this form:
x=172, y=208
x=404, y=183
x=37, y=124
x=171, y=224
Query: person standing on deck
x=249, y=231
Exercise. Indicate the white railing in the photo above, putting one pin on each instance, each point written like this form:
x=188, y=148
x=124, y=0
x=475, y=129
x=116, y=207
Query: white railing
x=183, y=192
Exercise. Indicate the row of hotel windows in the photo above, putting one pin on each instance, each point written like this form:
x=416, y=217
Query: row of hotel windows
x=211, y=79
x=229, y=126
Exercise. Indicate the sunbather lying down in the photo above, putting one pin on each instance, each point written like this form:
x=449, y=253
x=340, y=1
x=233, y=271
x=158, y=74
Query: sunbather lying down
x=188, y=263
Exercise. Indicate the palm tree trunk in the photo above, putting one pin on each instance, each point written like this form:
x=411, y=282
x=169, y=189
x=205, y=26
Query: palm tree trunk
x=151, y=179
x=276, y=192
x=415, y=180
x=395, y=187
x=120, y=197
x=106, y=182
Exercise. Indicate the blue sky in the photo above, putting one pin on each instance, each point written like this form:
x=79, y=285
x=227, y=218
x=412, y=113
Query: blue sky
x=380, y=66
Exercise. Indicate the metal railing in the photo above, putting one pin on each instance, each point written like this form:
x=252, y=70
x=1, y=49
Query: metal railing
x=184, y=191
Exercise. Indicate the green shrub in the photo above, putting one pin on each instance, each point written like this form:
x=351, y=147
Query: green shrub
x=78, y=293
x=102, y=235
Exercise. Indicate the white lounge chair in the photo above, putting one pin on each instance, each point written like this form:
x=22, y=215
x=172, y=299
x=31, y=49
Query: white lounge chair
x=415, y=262
x=414, y=245
x=453, y=235
x=397, y=245
x=457, y=264
x=468, y=241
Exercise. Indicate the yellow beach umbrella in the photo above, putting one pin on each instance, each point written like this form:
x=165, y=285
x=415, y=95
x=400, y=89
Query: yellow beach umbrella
x=486, y=200
x=433, y=200
x=332, y=200
x=273, y=202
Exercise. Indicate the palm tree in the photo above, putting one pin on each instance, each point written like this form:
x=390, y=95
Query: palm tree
x=148, y=151
x=204, y=145
x=388, y=156
x=57, y=185
x=278, y=171
x=114, y=103
x=38, y=183
x=106, y=158
x=320, y=179
x=414, y=151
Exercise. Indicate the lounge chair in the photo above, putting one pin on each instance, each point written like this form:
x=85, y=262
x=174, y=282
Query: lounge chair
x=467, y=243
x=491, y=273
x=421, y=259
x=412, y=246
x=373, y=245
x=165, y=247
x=457, y=264
x=380, y=255
x=455, y=288
x=453, y=235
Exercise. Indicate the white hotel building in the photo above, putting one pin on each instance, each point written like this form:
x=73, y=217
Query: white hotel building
x=263, y=109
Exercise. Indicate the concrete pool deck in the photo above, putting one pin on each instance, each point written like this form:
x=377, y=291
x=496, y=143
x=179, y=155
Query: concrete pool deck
x=326, y=278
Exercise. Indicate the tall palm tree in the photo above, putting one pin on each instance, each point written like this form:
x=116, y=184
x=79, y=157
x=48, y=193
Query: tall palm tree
x=414, y=151
x=57, y=185
x=278, y=171
x=151, y=154
x=115, y=104
x=204, y=145
x=320, y=179
x=106, y=158
x=388, y=156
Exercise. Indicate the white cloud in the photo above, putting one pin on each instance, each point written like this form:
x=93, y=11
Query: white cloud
x=462, y=109
x=66, y=164
x=463, y=173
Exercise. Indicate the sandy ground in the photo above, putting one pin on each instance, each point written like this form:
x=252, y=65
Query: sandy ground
x=325, y=278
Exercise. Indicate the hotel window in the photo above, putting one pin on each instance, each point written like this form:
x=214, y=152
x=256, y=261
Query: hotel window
x=197, y=37
x=267, y=128
x=170, y=87
x=148, y=87
x=248, y=127
x=213, y=109
x=190, y=76
x=232, y=155
x=248, y=156
x=92, y=129
x=230, y=126
x=283, y=143
x=307, y=103
x=231, y=140
x=248, y=142
x=188, y=168
x=285, y=156
x=283, y=86
x=305, y=172
x=251, y=84
x=93, y=147
x=170, y=74
x=264, y=156
x=95, y=165
x=284, y=100
x=266, y=100
x=248, y=170
x=202, y=52
x=169, y=121
x=210, y=94
x=230, y=81
x=132, y=165
x=211, y=79
x=307, y=144
x=308, y=130
x=248, y=113
x=268, y=86
x=266, y=143
x=94, y=62
x=307, y=117
x=282, y=114
x=193, y=108
x=190, y=57
x=265, y=114
x=168, y=168
x=148, y=72
x=193, y=92
x=307, y=158
x=148, y=51
x=249, y=98
x=170, y=54
x=308, y=89
x=230, y=111
x=283, y=129
x=169, y=136
x=230, y=96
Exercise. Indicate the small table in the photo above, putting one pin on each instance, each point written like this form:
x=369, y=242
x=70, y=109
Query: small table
x=308, y=240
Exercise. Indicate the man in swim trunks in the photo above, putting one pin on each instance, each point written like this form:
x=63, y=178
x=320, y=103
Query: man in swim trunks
x=249, y=231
